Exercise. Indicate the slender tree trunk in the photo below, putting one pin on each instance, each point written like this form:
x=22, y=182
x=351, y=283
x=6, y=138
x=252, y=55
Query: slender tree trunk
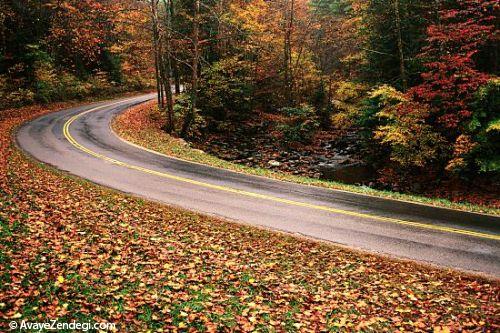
x=168, y=68
x=174, y=63
x=177, y=78
x=290, y=67
x=194, y=74
x=162, y=73
x=402, y=67
x=289, y=17
x=154, y=21
x=221, y=30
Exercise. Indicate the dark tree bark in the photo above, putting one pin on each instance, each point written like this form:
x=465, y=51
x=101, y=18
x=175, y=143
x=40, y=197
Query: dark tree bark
x=399, y=33
x=287, y=50
x=167, y=67
x=156, y=41
x=194, y=70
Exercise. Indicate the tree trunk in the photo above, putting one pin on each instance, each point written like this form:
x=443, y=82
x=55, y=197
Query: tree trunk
x=167, y=68
x=154, y=21
x=402, y=67
x=177, y=79
x=194, y=74
x=289, y=17
x=174, y=63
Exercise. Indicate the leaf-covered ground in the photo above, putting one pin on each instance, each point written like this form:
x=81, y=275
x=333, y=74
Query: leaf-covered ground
x=143, y=124
x=72, y=250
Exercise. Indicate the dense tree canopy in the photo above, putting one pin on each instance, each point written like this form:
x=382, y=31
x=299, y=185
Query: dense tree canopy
x=410, y=75
x=54, y=50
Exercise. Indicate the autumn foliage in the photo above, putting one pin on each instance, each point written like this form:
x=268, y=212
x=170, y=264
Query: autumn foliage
x=71, y=250
x=62, y=50
x=440, y=109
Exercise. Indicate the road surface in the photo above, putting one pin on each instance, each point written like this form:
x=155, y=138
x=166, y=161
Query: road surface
x=80, y=141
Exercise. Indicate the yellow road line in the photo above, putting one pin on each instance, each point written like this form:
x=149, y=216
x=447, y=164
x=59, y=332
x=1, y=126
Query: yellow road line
x=77, y=145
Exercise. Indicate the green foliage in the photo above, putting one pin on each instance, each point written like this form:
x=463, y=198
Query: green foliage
x=300, y=125
x=347, y=99
x=226, y=88
x=51, y=85
x=412, y=142
x=380, y=29
x=323, y=108
x=396, y=128
x=111, y=63
x=182, y=107
x=15, y=98
x=59, y=50
x=485, y=128
x=379, y=98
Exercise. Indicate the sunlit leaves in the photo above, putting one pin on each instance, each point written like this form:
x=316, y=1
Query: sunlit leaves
x=85, y=252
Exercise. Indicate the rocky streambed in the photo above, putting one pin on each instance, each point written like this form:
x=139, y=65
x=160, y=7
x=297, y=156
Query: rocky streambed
x=332, y=155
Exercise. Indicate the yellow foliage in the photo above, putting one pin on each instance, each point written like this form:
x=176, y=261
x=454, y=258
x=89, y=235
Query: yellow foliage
x=463, y=145
x=387, y=95
x=413, y=142
x=493, y=126
x=346, y=101
x=348, y=91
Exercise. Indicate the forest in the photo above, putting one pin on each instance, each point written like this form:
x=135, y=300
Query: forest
x=213, y=166
x=405, y=93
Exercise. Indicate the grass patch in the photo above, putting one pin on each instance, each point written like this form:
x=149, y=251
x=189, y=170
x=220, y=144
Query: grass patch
x=149, y=267
x=142, y=125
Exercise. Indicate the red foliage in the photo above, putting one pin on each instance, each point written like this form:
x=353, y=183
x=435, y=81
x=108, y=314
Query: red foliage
x=81, y=28
x=451, y=78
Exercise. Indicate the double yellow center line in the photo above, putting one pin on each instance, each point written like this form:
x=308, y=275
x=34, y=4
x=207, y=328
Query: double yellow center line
x=79, y=146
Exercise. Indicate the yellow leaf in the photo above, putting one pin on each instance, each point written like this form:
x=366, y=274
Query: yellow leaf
x=361, y=304
x=16, y=316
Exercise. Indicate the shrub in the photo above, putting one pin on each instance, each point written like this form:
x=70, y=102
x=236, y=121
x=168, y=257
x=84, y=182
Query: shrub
x=395, y=127
x=47, y=85
x=73, y=87
x=412, y=142
x=379, y=98
x=16, y=98
x=226, y=88
x=99, y=84
x=181, y=108
x=346, y=104
x=301, y=124
x=322, y=105
x=484, y=131
x=14, y=91
x=51, y=85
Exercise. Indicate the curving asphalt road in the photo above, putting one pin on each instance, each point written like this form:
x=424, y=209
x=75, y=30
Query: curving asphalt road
x=80, y=141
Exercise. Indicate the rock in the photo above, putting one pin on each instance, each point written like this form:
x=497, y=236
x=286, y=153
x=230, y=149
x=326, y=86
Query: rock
x=340, y=159
x=274, y=163
x=182, y=142
x=199, y=151
x=350, y=173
